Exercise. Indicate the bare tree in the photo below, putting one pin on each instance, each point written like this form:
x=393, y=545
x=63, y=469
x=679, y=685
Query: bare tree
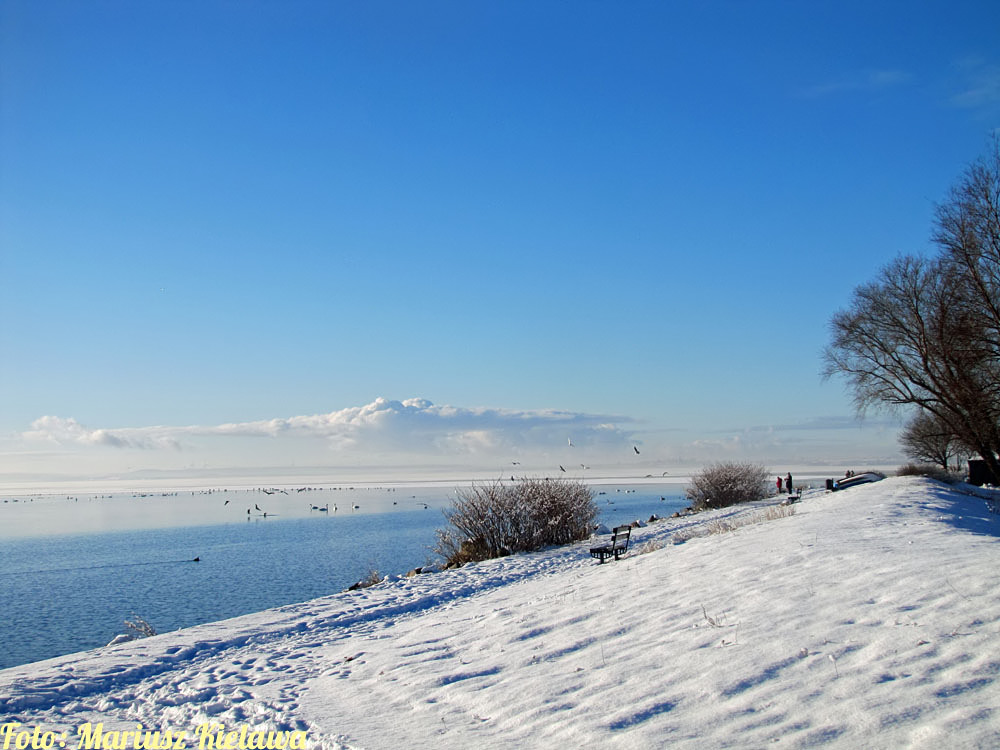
x=968, y=232
x=927, y=332
x=927, y=439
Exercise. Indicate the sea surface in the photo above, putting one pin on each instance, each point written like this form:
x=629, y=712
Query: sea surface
x=74, y=568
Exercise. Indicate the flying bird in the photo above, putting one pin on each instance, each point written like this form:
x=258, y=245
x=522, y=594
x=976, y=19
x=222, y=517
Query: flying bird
x=561, y=468
x=636, y=450
x=570, y=441
x=256, y=506
x=225, y=503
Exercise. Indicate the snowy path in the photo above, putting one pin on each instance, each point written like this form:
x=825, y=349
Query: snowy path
x=869, y=618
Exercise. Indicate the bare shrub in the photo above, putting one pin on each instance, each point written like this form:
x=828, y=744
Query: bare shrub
x=496, y=519
x=926, y=470
x=373, y=578
x=138, y=627
x=727, y=483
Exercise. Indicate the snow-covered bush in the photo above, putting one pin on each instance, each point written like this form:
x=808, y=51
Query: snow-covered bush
x=496, y=519
x=727, y=483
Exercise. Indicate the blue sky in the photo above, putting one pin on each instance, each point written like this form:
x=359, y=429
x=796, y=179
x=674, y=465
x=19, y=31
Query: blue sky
x=518, y=224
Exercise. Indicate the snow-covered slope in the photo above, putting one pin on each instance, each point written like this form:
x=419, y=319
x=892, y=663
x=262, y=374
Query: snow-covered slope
x=870, y=618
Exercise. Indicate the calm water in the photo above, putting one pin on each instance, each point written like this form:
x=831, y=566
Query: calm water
x=63, y=593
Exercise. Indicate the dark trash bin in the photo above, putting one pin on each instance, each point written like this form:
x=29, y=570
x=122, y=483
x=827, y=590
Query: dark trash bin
x=979, y=473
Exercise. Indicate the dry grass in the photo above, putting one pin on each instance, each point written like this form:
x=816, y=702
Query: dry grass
x=372, y=579
x=651, y=546
x=726, y=525
x=722, y=526
x=773, y=513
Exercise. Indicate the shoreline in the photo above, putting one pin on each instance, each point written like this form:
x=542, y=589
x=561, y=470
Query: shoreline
x=201, y=484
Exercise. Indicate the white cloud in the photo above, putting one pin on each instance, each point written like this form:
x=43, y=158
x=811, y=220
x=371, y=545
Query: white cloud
x=414, y=425
x=980, y=86
x=864, y=80
x=67, y=431
x=826, y=423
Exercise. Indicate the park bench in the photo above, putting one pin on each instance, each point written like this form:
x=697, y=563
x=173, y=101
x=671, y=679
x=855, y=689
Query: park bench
x=617, y=547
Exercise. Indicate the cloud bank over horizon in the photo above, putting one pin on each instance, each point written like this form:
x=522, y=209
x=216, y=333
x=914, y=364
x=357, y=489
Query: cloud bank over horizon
x=387, y=436
x=411, y=425
x=416, y=438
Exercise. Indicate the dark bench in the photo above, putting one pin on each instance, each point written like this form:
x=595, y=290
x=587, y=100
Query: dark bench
x=617, y=547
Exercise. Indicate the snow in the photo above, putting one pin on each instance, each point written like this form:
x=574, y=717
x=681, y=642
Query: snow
x=869, y=618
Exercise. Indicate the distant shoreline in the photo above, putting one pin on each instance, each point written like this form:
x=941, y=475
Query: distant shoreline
x=117, y=485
